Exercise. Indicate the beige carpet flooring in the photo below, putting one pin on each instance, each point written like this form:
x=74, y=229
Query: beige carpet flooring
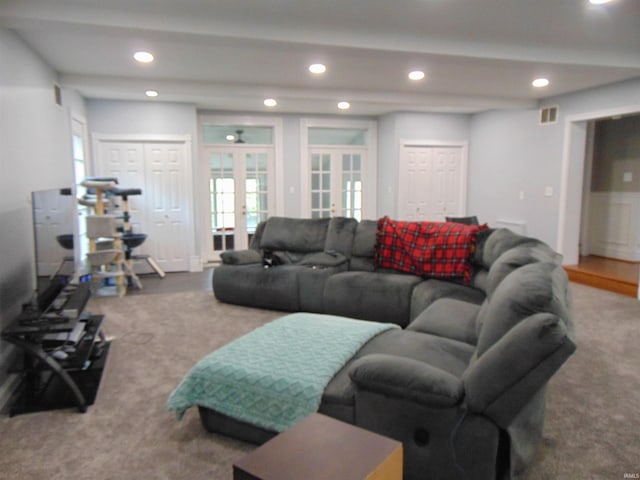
x=593, y=415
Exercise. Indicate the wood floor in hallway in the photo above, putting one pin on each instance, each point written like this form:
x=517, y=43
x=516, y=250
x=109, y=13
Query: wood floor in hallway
x=607, y=274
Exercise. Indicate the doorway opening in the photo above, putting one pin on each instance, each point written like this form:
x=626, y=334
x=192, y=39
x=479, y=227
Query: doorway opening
x=600, y=245
x=241, y=159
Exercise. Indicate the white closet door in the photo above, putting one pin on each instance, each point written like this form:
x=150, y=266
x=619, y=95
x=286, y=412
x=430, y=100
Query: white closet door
x=125, y=161
x=432, y=183
x=162, y=211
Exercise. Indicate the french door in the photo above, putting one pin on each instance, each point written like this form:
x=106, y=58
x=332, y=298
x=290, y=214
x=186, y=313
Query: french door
x=336, y=181
x=241, y=188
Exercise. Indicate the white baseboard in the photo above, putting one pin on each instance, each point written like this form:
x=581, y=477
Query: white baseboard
x=195, y=264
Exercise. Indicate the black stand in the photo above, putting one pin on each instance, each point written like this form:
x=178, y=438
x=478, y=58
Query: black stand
x=63, y=357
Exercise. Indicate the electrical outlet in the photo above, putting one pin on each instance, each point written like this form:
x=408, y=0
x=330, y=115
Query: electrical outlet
x=548, y=192
x=627, y=177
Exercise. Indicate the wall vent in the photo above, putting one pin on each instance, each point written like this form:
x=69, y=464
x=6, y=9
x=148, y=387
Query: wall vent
x=549, y=115
x=57, y=94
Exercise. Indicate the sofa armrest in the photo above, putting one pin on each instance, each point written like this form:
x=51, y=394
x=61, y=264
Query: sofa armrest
x=505, y=377
x=240, y=257
x=406, y=379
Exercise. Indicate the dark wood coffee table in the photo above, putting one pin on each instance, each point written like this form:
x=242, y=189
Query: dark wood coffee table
x=321, y=447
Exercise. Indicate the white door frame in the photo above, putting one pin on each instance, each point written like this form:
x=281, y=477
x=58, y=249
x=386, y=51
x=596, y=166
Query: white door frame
x=79, y=231
x=369, y=172
x=572, y=179
x=195, y=259
x=208, y=253
x=464, y=153
x=202, y=187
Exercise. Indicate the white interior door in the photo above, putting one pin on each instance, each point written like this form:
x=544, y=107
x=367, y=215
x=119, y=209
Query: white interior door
x=160, y=169
x=432, y=182
x=241, y=191
x=52, y=216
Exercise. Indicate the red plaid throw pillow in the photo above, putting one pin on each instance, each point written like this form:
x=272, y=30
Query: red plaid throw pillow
x=429, y=249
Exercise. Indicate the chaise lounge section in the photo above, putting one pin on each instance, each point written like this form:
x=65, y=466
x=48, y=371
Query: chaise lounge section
x=462, y=384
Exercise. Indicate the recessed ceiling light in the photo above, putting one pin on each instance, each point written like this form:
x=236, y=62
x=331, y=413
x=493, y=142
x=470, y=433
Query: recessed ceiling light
x=317, y=68
x=151, y=93
x=416, y=75
x=143, y=57
x=230, y=137
x=599, y=2
x=270, y=102
x=344, y=105
x=540, y=82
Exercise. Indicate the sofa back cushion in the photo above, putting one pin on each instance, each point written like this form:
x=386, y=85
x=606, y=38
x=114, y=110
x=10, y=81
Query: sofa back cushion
x=364, y=246
x=489, y=246
x=535, y=288
x=516, y=257
x=254, y=244
x=340, y=234
x=299, y=235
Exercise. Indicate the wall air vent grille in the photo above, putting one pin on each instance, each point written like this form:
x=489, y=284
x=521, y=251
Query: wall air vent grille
x=548, y=115
x=57, y=94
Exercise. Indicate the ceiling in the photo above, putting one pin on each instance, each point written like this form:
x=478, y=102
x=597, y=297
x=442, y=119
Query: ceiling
x=231, y=54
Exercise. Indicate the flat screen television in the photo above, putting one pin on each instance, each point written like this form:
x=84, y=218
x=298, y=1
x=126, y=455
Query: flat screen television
x=53, y=230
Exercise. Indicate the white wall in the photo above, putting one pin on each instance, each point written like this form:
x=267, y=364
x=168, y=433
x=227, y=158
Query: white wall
x=147, y=119
x=513, y=160
x=415, y=126
x=144, y=117
x=511, y=153
x=35, y=154
x=576, y=110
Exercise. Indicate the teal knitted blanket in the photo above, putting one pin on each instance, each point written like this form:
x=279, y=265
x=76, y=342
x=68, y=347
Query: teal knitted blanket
x=274, y=376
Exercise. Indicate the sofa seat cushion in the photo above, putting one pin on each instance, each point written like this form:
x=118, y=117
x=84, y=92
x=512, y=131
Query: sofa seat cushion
x=311, y=280
x=370, y=296
x=324, y=259
x=449, y=318
x=432, y=290
x=256, y=286
x=445, y=354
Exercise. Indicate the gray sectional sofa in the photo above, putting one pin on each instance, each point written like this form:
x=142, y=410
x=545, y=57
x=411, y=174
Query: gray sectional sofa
x=462, y=384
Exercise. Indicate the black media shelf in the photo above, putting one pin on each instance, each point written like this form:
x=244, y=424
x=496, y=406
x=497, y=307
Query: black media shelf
x=50, y=382
x=45, y=391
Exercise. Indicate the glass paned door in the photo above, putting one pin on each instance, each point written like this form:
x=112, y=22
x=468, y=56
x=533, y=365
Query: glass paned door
x=222, y=196
x=256, y=206
x=240, y=193
x=352, y=185
x=321, y=205
x=336, y=182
